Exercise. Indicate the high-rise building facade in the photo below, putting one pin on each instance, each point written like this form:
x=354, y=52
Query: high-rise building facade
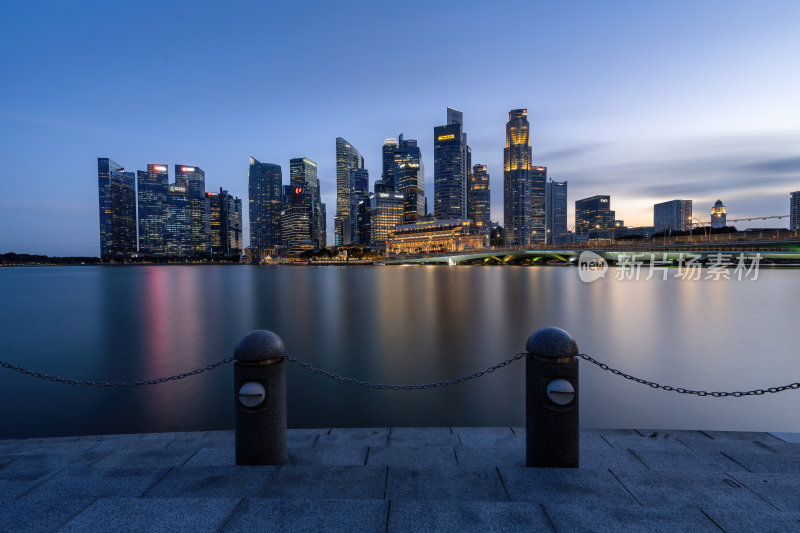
x=388, y=179
x=594, y=217
x=359, y=194
x=719, y=215
x=450, y=168
x=117, y=201
x=555, y=211
x=794, y=211
x=265, y=201
x=303, y=173
x=538, y=211
x=296, y=220
x=347, y=160
x=152, y=192
x=479, y=199
x=195, y=180
x=178, y=221
x=517, y=186
x=410, y=175
x=225, y=215
x=387, y=214
x=675, y=215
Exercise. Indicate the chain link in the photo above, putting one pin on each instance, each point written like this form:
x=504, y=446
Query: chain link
x=381, y=386
x=681, y=390
x=123, y=384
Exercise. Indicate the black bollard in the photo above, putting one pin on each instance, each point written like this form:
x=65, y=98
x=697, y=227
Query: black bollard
x=551, y=400
x=259, y=381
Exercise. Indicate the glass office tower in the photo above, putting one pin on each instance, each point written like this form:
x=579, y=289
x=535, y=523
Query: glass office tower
x=347, y=160
x=538, y=223
x=117, y=202
x=195, y=180
x=152, y=195
x=303, y=173
x=479, y=198
x=555, y=211
x=450, y=168
x=264, y=201
x=517, y=185
x=410, y=175
x=359, y=194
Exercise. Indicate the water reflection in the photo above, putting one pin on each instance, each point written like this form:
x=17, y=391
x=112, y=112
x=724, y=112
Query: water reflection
x=391, y=325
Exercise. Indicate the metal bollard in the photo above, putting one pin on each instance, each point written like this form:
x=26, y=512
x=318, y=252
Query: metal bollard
x=259, y=381
x=551, y=400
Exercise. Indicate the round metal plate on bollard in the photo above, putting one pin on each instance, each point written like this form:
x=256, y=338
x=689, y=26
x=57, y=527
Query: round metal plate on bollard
x=252, y=394
x=560, y=392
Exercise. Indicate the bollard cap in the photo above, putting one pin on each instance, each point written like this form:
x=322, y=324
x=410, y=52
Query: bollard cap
x=552, y=342
x=259, y=345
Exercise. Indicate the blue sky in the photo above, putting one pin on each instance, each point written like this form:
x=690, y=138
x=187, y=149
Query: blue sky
x=643, y=101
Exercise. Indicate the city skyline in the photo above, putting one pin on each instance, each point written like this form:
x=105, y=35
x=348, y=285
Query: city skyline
x=622, y=105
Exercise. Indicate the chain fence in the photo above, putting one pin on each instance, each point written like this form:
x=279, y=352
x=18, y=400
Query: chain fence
x=104, y=384
x=382, y=386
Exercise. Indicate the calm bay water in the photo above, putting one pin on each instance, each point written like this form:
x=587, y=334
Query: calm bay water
x=390, y=325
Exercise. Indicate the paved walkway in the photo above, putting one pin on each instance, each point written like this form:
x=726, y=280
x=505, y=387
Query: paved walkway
x=403, y=479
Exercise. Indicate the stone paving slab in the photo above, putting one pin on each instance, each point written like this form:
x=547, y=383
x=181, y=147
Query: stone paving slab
x=145, y=457
x=781, y=490
x=680, y=460
x=75, y=482
x=356, y=436
x=761, y=521
x=14, y=483
x=213, y=457
x=505, y=455
x=153, y=515
x=690, y=490
x=787, y=437
x=432, y=436
x=578, y=516
x=214, y=482
x=459, y=516
x=54, y=461
x=562, y=486
x=306, y=515
x=412, y=456
x=453, y=483
x=775, y=463
x=483, y=437
x=33, y=515
x=308, y=481
x=329, y=454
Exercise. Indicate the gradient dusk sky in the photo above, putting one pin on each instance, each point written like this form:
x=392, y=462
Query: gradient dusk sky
x=645, y=101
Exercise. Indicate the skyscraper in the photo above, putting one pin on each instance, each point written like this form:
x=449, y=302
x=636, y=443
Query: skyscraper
x=303, y=173
x=675, y=215
x=718, y=215
x=517, y=185
x=794, y=211
x=538, y=181
x=387, y=214
x=388, y=179
x=555, y=210
x=265, y=201
x=450, y=168
x=479, y=198
x=296, y=220
x=410, y=175
x=225, y=214
x=117, y=202
x=347, y=159
x=152, y=195
x=178, y=221
x=359, y=194
x=594, y=217
x=195, y=180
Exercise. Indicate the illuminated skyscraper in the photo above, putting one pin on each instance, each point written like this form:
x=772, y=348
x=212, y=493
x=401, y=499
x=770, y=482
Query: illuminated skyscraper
x=296, y=220
x=594, y=217
x=225, y=215
x=117, y=202
x=450, y=168
x=555, y=210
x=195, y=180
x=359, y=194
x=675, y=215
x=347, y=159
x=303, y=173
x=178, y=221
x=264, y=200
x=479, y=199
x=718, y=215
x=410, y=175
x=794, y=210
x=389, y=180
x=387, y=214
x=517, y=183
x=538, y=181
x=152, y=196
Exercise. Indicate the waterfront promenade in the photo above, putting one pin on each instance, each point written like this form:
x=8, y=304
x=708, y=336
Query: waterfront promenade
x=402, y=479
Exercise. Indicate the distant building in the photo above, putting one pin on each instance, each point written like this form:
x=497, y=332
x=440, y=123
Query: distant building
x=555, y=210
x=296, y=220
x=347, y=160
x=359, y=194
x=719, y=215
x=265, y=201
x=388, y=179
x=479, y=199
x=303, y=173
x=225, y=215
x=794, y=211
x=456, y=235
x=117, y=202
x=387, y=214
x=195, y=180
x=449, y=167
x=675, y=215
x=594, y=217
x=538, y=214
x=517, y=186
x=152, y=192
x=495, y=234
x=177, y=221
x=410, y=175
